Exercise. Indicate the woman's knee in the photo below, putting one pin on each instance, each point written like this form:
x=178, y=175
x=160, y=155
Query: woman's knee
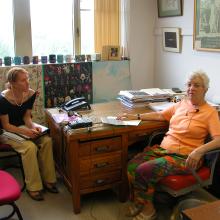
x=46, y=141
x=29, y=146
x=145, y=170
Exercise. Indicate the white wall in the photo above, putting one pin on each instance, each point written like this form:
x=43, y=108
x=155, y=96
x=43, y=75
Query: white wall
x=171, y=69
x=142, y=21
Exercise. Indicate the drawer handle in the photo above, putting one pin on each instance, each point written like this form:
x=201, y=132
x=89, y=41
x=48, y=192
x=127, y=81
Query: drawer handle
x=100, y=181
x=102, y=149
x=101, y=165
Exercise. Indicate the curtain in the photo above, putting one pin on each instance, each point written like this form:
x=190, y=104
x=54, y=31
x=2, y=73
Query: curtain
x=106, y=13
x=125, y=24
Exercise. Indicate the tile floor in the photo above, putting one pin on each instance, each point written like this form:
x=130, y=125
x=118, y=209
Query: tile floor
x=95, y=206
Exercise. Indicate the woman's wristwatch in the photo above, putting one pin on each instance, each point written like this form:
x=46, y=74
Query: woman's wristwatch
x=138, y=116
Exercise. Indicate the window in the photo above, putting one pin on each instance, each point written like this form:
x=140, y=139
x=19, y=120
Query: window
x=87, y=26
x=52, y=30
x=43, y=27
x=6, y=33
x=52, y=27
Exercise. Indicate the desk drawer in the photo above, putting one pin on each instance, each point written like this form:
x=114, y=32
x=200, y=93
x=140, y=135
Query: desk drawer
x=104, y=163
x=138, y=134
x=100, y=146
x=99, y=180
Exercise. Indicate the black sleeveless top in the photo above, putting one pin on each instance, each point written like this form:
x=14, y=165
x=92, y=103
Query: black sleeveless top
x=15, y=112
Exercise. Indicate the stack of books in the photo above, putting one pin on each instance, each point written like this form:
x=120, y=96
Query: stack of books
x=141, y=98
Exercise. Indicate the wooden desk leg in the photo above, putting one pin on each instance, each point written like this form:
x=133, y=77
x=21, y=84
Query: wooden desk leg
x=73, y=152
x=76, y=202
x=123, y=187
x=123, y=191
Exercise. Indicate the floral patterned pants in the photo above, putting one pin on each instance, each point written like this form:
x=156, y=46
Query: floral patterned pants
x=148, y=167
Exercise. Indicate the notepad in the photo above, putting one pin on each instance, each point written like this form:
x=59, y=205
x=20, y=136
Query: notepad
x=22, y=137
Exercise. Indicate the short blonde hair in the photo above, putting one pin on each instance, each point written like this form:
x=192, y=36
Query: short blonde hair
x=199, y=74
x=13, y=74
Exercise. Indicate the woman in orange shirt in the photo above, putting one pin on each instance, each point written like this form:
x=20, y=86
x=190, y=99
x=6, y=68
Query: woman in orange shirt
x=183, y=147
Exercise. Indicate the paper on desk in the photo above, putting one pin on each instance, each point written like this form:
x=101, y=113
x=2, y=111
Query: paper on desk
x=113, y=121
x=60, y=117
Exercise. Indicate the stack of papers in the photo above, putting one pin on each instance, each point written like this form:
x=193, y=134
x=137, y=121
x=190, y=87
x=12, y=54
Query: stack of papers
x=134, y=94
x=160, y=106
x=216, y=106
x=140, y=98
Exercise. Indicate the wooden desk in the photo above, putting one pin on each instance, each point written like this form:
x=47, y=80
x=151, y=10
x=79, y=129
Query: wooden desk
x=96, y=159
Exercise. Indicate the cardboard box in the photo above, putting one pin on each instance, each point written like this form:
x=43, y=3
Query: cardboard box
x=210, y=211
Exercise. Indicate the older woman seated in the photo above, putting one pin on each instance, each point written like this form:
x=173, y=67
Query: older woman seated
x=183, y=147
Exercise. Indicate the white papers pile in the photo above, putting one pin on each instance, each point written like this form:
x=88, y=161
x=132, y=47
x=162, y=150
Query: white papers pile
x=160, y=106
x=141, y=98
x=216, y=106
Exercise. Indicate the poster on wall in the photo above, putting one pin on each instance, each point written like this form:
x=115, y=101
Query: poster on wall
x=206, y=25
x=63, y=82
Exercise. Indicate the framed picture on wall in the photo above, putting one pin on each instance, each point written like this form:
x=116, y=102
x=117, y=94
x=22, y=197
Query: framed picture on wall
x=171, y=39
x=206, y=25
x=114, y=53
x=169, y=8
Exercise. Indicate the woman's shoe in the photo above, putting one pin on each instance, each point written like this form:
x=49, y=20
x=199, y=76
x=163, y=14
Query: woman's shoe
x=133, y=210
x=144, y=216
x=51, y=188
x=35, y=195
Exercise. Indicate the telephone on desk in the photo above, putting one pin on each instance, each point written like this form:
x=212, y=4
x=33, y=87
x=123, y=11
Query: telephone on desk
x=77, y=103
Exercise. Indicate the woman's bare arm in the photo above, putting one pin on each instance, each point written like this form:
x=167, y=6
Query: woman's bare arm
x=151, y=116
x=196, y=155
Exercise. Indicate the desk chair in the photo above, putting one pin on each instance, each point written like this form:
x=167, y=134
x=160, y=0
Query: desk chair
x=9, y=192
x=177, y=185
x=6, y=152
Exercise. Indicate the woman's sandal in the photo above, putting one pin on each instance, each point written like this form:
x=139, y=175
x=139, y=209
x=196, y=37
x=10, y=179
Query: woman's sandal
x=133, y=210
x=143, y=216
x=51, y=188
x=37, y=196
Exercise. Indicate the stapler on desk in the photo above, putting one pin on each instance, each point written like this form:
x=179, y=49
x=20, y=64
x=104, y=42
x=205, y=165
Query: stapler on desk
x=80, y=123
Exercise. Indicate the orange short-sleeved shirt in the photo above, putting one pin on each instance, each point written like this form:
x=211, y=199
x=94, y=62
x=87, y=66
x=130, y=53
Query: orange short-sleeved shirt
x=189, y=126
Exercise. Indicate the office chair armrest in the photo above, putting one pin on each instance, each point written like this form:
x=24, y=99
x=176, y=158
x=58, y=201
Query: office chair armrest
x=156, y=137
x=212, y=157
x=212, y=151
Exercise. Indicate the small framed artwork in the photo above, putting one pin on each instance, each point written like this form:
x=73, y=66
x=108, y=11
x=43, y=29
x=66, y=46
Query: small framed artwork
x=114, y=53
x=169, y=8
x=171, y=39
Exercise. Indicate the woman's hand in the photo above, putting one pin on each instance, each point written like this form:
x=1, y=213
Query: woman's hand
x=31, y=132
x=194, y=159
x=126, y=116
x=38, y=129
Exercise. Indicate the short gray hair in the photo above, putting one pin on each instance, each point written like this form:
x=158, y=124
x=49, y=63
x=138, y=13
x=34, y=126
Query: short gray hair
x=200, y=74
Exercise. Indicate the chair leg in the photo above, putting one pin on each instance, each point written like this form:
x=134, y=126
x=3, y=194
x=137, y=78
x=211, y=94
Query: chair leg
x=15, y=210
